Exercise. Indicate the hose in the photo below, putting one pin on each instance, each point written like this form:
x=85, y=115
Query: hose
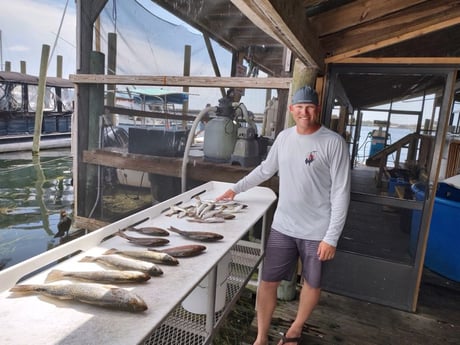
x=190, y=137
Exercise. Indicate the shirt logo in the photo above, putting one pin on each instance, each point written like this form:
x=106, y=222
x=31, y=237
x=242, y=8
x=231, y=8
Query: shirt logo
x=310, y=157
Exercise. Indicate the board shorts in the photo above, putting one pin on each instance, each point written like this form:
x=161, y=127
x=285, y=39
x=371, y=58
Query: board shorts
x=281, y=256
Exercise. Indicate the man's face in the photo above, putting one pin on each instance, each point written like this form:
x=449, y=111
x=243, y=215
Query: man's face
x=304, y=114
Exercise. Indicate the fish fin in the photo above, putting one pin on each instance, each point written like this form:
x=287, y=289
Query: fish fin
x=111, y=251
x=87, y=259
x=54, y=275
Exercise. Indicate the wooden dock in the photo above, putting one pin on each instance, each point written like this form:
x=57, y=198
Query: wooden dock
x=340, y=320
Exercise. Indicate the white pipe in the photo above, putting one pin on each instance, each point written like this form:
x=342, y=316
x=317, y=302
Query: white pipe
x=191, y=136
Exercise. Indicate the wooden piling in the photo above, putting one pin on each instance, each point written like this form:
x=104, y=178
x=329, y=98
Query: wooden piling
x=187, y=59
x=302, y=76
x=59, y=63
x=111, y=70
x=96, y=109
x=40, y=98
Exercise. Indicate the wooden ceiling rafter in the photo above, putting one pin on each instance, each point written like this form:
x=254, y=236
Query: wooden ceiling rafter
x=298, y=36
x=356, y=13
x=410, y=23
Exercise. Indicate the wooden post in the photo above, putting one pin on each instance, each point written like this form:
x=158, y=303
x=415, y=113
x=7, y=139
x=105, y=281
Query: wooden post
x=187, y=58
x=40, y=98
x=97, y=31
x=302, y=76
x=59, y=63
x=212, y=56
x=96, y=109
x=112, y=70
x=23, y=67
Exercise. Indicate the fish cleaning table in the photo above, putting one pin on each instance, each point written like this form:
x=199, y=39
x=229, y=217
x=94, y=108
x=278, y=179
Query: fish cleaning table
x=33, y=319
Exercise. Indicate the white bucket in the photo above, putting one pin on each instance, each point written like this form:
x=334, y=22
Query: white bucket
x=196, y=301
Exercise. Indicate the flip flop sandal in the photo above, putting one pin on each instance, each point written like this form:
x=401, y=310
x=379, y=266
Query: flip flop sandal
x=285, y=340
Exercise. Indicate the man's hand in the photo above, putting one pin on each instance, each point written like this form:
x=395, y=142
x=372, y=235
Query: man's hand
x=325, y=251
x=228, y=195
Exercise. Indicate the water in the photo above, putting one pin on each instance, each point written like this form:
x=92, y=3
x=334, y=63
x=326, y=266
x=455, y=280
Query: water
x=32, y=192
x=395, y=134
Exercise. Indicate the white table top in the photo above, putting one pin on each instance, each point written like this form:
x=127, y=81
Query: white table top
x=40, y=320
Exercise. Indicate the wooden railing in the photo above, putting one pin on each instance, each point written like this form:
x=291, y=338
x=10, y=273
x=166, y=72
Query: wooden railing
x=418, y=152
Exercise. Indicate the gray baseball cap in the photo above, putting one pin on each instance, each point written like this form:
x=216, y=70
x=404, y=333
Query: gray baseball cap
x=305, y=95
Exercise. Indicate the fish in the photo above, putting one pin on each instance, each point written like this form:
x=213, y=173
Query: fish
x=184, y=251
x=150, y=230
x=203, y=236
x=125, y=264
x=146, y=255
x=95, y=294
x=144, y=241
x=105, y=276
x=206, y=220
x=207, y=211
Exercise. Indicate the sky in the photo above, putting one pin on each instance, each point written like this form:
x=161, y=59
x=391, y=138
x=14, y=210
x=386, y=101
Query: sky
x=26, y=25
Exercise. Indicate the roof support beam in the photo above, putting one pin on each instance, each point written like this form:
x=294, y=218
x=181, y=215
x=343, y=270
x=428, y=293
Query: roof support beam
x=357, y=12
x=286, y=21
x=404, y=25
x=244, y=82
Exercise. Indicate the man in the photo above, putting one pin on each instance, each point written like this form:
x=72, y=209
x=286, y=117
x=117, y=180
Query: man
x=313, y=164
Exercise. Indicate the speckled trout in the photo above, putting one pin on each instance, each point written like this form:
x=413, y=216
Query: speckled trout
x=95, y=294
x=125, y=264
x=104, y=276
x=146, y=255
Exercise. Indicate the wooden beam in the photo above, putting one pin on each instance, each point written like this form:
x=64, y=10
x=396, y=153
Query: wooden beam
x=403, y=60
x=286, y=21
x=355, y=13
x=404, y=25
x=249, y=83
x=197, y=169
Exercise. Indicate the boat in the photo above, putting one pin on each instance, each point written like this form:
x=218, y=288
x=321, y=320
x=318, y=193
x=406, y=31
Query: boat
x=156, y=123
x=18, y=105
x=150, y=99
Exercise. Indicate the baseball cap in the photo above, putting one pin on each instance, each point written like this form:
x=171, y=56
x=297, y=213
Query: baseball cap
x=305, y=95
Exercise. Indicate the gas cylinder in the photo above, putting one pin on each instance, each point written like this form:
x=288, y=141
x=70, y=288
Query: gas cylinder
x=219, y=139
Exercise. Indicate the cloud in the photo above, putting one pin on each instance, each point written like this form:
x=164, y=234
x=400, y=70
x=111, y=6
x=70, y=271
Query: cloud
x=18, y=48
x=146, y=46
x=27, y=25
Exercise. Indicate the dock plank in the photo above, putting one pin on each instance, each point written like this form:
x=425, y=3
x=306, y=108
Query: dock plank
x=343, y=320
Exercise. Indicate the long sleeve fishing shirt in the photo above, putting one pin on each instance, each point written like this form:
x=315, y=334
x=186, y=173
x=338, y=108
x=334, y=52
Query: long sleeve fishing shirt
x=314, y=183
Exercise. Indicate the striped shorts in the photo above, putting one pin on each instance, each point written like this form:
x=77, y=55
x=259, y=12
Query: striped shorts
x=281, y=256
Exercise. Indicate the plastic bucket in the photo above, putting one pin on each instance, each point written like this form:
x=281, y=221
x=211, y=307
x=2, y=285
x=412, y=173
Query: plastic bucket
x=196, y=301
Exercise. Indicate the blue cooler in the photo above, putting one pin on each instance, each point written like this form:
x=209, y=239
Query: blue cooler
x=442, y=253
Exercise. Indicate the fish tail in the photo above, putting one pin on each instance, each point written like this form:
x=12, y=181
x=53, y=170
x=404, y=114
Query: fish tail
x=54, y=275
x=121, y=234
x=111, y=251
x=88, y=259
x=23, y=288
x=173, y=229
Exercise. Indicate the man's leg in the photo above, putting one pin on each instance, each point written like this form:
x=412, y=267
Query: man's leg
x=265, y=306
x=309, y=298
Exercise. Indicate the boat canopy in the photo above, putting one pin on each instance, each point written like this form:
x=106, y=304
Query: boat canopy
x=22, y=78
x=151, y=95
